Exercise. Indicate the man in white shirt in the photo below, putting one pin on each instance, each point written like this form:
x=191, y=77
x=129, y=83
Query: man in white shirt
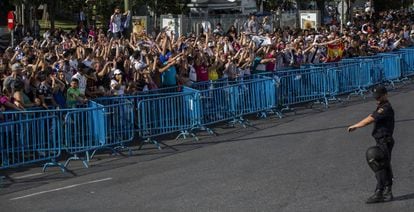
x=116, y=23
x=252, y=25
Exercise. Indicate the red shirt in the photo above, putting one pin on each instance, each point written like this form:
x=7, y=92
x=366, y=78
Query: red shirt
x=202, y=73
x=270, y=66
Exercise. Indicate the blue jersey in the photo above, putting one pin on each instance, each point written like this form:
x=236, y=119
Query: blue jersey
x=168, y=77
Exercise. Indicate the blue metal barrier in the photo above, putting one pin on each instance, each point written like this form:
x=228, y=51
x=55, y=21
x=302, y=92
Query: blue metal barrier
x=253, y=96
x=173, y=89
x=118, y=123
x=302, y=88
x=166, y=115
x=408, y=61
x=133, y=98
x=31, y=113
x=210, y=84
x=97, y=127
x=347, y=79
x=319, y=65
x=326, y=66
x=370, y=73
x=391, y=67
x=30, y=141
x=404, y=65
x=232, y=102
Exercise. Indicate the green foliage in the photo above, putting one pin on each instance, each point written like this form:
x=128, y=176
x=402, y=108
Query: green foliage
x=28, y=2
x=381, y=5
x=167, y=6
x=104, y=10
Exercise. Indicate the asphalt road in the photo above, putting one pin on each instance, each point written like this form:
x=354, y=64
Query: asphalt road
x=303, y=162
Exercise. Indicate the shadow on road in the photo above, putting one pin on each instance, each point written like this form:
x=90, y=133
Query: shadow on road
x=311, y=131
x=404, y=197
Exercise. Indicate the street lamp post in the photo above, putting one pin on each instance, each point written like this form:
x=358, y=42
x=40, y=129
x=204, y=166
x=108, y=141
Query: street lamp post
x=342, y=7
x=342, y=16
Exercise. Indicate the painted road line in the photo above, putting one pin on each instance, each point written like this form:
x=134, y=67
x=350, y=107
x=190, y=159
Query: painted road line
x=62, y=188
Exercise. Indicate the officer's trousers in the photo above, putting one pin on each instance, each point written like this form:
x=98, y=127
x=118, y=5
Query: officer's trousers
x=385, y=175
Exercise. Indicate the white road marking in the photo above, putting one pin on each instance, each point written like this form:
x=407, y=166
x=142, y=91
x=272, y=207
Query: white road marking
x=62, y=188
x=26, y=176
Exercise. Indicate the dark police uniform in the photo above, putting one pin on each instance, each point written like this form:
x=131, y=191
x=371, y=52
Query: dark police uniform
x=383, y=131
x=379, y=156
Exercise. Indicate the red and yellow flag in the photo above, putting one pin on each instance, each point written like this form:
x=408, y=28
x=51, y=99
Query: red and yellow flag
x=335, y=52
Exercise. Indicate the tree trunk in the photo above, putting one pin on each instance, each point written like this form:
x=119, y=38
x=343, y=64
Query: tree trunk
x=51, y=9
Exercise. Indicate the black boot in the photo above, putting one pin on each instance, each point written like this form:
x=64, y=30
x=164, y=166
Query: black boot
x=377, y=197
x=388, y=194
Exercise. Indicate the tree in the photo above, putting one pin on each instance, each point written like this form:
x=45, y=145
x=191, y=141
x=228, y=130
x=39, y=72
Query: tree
x=28, y=4
x=381, y=5
x=269, y=5
x=167, y=6
x=51, y=9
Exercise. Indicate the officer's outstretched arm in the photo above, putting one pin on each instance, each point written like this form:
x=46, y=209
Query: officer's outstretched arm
x=364, y=122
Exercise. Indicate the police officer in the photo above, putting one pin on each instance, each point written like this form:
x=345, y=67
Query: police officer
x=379, y=157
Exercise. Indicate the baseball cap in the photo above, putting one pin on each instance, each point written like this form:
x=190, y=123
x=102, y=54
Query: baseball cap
x=379, y=91
x=117, y=71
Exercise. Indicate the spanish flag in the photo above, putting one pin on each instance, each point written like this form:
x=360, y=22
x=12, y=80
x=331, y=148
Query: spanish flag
x=335, y=52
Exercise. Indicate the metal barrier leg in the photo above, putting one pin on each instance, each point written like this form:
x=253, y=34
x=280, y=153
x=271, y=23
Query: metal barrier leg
x=203, y=128
x=240, y=120
x=5, y=177
x=318, y=102
x=277, y=112
x=262, y=115
x=114, y=152
x=393, y=84
x=54, y=163
x=360, y=92
x=185, y=133
x=76, y=157
x=289, y=109
x=150, y=140
x=404, y=80
x=333, y=99
x=156, y=143
x=122, y=146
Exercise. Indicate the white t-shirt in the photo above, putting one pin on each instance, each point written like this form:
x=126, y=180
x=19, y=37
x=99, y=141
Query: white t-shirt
x=116, y=23
x=117, y=92
x=192, y=74
x=139, y=65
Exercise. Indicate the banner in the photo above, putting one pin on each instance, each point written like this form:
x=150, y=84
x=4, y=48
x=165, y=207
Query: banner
x=171, y=25
x=335, y=52
x=262, y=40
x=309, y=19
x=206, y=26
x=139, y=25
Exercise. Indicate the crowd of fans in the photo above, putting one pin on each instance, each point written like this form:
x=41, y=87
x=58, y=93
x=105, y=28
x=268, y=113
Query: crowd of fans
x=65, y=69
